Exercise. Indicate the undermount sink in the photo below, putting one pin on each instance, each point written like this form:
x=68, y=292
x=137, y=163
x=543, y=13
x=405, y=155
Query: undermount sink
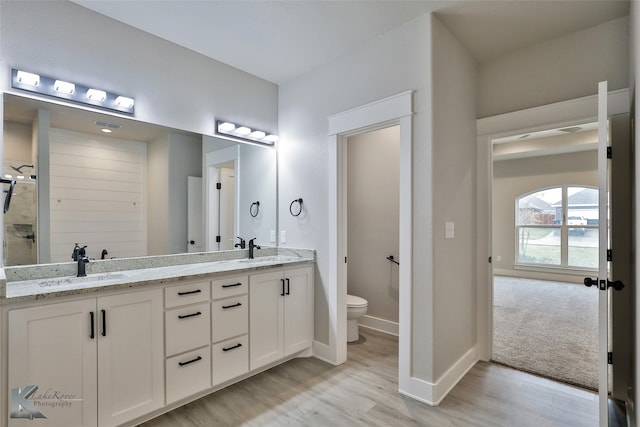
x=58, y=281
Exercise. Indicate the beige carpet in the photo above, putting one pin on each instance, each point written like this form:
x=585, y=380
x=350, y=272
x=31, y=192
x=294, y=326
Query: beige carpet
x=547, y=328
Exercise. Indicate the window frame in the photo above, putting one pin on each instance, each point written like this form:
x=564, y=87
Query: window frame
x=564, y=231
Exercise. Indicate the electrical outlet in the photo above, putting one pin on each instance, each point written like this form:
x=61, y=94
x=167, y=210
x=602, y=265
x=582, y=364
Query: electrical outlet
x=449, y=230
x=283, y=236
x=272, y=236
x=498, y=258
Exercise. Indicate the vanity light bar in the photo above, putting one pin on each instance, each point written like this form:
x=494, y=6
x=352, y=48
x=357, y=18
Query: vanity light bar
x=57, y=88
x=244, y=133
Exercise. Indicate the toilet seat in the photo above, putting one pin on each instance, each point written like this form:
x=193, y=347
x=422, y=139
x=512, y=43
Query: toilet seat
x=354, y=301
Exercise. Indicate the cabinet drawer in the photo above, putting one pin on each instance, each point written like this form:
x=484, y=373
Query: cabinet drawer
x=229, y=359
x=188, y=293
x=229, y=318
x=188, y=373
x=187, y=328
x=229, y=287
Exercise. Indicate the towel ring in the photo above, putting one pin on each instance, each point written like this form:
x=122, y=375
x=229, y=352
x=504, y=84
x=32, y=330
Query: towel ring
x=254, y=211
x=299, y=202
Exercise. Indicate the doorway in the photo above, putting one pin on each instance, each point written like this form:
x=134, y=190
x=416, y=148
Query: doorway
x=372, y=225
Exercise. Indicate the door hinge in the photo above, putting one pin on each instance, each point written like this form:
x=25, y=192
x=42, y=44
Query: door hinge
x=610, y=358
x=609, y=152
x=609, y=255
x=218, y=185
x=217, y=239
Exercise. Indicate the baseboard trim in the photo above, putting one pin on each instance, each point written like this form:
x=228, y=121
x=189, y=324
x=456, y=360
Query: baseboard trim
x=378, y=324
x=434, y=393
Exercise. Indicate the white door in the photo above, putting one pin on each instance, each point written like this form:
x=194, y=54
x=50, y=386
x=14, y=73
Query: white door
x=130, y=356
x=603, y=265
x=195, y=234
x=298, y=310
x=227, y=209
x=266, y=312
x=53, y=347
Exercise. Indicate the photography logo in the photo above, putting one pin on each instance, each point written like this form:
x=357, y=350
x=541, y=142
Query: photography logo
x=26, y=403
x=21, y=407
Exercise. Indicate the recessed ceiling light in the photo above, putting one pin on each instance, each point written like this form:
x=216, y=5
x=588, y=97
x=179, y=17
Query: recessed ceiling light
x=105, y=130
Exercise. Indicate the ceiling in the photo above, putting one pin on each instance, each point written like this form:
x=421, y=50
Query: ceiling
x=281, y=40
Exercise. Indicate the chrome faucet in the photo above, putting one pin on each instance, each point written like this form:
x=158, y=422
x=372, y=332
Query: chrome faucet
x=252, y=246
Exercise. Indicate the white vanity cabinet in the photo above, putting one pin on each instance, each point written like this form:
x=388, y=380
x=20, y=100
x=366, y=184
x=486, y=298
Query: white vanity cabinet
x=281, y=314
x=187, y=339
x=96, y=361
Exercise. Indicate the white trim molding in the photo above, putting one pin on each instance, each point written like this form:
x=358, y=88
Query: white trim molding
x=392, y=111
x=378, y=324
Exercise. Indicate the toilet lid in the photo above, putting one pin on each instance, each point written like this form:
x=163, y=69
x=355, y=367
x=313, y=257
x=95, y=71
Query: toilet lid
x=354, y=301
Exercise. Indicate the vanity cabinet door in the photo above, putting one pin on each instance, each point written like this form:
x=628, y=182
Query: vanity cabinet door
x=130, y=356
x=298, y=310
x=266, y=308
x=52, y=347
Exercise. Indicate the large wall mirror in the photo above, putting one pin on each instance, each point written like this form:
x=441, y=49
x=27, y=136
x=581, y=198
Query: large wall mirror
x=125, y=188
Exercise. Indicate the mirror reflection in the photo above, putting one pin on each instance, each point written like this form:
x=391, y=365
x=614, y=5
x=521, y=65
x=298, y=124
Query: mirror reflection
x=125, y=188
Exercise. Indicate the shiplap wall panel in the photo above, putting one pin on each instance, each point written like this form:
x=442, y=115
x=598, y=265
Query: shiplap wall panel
x=97, y=195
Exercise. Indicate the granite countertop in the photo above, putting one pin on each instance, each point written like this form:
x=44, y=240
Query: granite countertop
x=53, y=280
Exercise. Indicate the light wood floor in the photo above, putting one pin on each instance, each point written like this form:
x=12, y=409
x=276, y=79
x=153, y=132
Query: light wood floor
x=363, y=392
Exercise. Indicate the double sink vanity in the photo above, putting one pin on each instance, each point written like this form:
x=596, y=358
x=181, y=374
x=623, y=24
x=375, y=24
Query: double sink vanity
x=138, y=337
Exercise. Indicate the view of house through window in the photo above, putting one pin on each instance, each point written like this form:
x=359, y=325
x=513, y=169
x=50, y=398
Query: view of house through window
x=558, y=226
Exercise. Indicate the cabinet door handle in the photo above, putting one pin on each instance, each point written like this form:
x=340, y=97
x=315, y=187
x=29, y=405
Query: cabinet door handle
x=190, y=361
x=197, y=291
x=238, y=304
x=185, y=316
x=232, y=285
x=233, y=347
x=104, y=323
x=91, y=319
x=282, y=293
x=288, y=288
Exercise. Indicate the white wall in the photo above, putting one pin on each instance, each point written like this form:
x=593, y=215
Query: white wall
x=158, y=196
x=399, y=60
x=96, y=187
x=185, y=159
x=512, y=178
x=172, y=86
x=564, y=68
x=454, y=175
x=393, y=63
x=373, y=205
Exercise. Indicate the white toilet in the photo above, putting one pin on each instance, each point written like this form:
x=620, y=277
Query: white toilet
x=356, y=308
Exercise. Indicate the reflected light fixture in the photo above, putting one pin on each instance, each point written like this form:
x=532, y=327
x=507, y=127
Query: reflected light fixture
x=96, y=94
x=244, y=133
x=70, y=91
x=28, y=78
x=64, y=87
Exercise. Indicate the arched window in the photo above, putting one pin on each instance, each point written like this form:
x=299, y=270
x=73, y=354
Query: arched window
x=558, y=227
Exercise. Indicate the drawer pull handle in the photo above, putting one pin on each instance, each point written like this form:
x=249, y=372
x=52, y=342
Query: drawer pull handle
x=184, y=316
x=288, y=288
x=282, y=293
x=232, y=305
x=197, y=291
x=190, y=361
x=232, y=285
x=233, y=347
